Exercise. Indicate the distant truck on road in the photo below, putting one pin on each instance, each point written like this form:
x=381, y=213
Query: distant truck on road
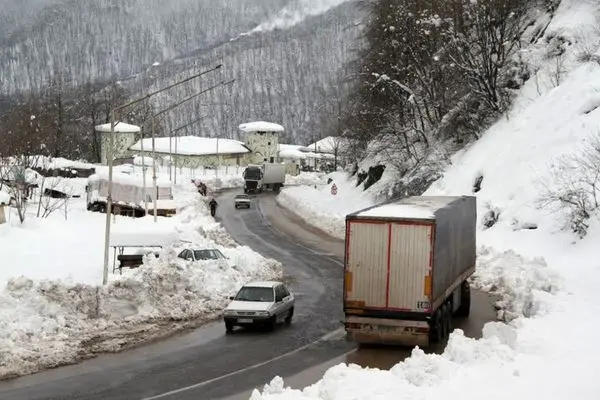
x=269, y=176
x=406, y=268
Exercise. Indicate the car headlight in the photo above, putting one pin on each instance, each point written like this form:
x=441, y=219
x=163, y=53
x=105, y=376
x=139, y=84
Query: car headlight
x=263, y=313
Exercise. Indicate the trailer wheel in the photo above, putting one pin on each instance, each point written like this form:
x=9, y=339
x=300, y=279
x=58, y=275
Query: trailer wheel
x=444, y=322
x=465, y=301
x=448, y=320
x=436, y=333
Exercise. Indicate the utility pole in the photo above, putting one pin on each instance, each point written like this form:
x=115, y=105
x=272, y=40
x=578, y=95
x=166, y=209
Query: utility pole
x=113, y=114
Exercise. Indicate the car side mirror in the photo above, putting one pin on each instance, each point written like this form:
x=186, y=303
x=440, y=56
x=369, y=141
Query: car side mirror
x=286, y=298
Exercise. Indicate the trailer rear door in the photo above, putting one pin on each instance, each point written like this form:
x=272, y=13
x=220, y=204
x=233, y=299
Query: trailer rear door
x=388, y=265
x=409, y=285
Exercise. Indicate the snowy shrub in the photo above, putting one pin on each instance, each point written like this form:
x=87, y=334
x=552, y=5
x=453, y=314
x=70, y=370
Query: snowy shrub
x=575, y=187
x=491, y=216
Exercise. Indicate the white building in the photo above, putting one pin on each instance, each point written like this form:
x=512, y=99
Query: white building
x=194, y=151
x=262, y=138
x=125, y=136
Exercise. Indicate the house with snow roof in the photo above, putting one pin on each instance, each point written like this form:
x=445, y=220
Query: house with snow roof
x=125, y=136
x=261, y=144
x=194, y=151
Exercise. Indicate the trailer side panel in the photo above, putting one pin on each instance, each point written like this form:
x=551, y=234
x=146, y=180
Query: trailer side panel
x=455, y=244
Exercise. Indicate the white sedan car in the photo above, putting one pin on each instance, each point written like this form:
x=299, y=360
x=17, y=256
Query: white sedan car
x=260, y=304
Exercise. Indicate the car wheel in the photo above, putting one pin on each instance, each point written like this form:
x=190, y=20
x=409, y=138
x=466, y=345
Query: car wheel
x=288, y=318
x=272, y=323
x=228, y=327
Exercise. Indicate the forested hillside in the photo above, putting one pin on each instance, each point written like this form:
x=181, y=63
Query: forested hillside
x=433, y=75
x=68, y=62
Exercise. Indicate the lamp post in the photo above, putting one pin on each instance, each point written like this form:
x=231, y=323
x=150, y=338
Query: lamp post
x=113, y=113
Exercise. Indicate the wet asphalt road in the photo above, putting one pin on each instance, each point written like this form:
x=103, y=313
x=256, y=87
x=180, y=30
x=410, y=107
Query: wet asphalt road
x=207, y=353
x=208, y=364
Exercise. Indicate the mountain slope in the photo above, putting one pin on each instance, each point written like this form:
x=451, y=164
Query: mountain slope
x=281, y=74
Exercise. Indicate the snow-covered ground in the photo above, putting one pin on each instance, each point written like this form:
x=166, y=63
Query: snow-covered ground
x=54, y=310
x=318, y=206
x=548, y=278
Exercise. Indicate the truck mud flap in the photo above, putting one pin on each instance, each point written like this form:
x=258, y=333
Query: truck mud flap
x=387, y=331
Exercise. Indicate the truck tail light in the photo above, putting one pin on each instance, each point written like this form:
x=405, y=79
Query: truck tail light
x=427, y=286
x=348, y=281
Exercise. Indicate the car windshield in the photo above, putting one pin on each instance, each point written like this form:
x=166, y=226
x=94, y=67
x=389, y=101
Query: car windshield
x=208, y=254
x=242, y=196
x=250, y=293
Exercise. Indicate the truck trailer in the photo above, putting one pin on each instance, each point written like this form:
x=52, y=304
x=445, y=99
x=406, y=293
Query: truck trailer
x=269, y=176
x=406, y=266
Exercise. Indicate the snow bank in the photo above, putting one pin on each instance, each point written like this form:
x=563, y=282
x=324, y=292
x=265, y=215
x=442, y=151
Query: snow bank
x=318, y=207
x=306, y=178
x=548, y=281
x=53, y=312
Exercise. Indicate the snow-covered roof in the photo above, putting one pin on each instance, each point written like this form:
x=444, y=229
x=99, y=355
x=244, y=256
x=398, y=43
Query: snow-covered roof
x=291, y=151
x=128, y=179
x=120, y=127
x=261, y=126
x=193, y=146
x=398, y=211
x=328, y=144
x=410, y=207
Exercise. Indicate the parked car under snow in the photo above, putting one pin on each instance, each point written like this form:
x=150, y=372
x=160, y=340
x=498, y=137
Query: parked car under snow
x=191, y=254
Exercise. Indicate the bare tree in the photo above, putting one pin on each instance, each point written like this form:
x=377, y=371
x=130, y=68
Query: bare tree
x=575, y=187
x=53, y=196
x=481, y=50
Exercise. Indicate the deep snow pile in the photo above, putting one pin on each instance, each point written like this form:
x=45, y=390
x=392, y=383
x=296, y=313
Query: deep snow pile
x=53, y=312
x=319, y=207
x=547, y=278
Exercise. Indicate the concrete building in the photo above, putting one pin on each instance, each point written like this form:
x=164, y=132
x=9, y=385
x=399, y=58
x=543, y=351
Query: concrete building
x=125, y=136
x=262, y=138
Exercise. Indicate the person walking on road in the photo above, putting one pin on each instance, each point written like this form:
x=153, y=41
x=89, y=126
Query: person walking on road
x=213, y=207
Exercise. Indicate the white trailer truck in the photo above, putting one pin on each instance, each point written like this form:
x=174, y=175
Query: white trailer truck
x=406, y=268
x=129, y=197
x=267, y=176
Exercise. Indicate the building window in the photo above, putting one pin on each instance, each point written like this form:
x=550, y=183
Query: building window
x=272, y=160
x=265, y=159
x=268, y=143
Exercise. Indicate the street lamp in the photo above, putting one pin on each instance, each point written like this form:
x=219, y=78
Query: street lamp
x=112, y=114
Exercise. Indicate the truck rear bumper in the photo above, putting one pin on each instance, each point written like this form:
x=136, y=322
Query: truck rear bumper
x=366, y=330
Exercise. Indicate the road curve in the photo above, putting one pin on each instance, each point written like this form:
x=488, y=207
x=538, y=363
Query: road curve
x=208, y=364
x=207, y=354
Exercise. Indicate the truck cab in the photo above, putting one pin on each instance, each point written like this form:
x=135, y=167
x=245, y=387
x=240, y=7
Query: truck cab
x=253, y=176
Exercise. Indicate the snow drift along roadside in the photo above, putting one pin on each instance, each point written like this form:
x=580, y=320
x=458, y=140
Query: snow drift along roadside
x=47, y=323
x=319, y=207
